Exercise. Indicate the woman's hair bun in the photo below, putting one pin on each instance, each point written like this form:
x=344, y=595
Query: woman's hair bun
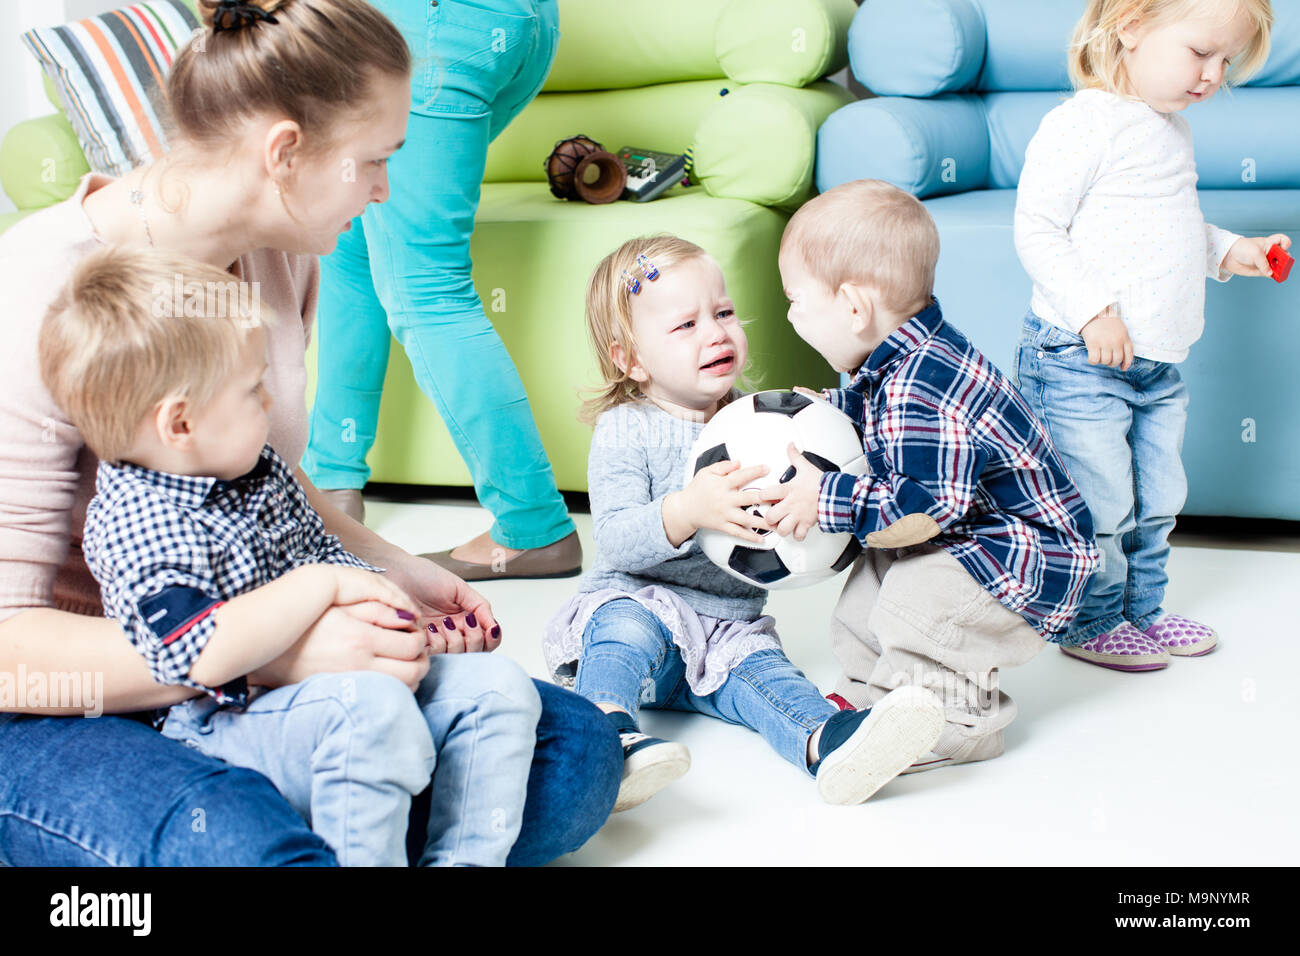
x=223, y=15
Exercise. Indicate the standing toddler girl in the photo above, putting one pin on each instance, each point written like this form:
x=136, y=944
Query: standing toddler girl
x=1109, y=228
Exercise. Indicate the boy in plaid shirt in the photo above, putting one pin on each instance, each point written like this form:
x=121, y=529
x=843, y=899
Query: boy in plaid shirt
x=990, y=543
x=210, y=556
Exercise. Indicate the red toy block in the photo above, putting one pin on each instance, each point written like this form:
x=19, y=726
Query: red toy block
x=1280, y=262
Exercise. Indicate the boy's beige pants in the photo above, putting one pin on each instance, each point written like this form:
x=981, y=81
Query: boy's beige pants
x=915, y=616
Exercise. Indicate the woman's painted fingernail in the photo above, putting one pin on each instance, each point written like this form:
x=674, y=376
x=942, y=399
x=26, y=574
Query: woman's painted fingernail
x=471, y=620
x=496, y=630
x=448, y=623
x=431, y=628
x=405, y=615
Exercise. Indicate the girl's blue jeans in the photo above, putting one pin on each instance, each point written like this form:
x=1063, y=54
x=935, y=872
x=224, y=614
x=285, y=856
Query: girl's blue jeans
x=405, y=266
x=629, y=660
x=111, y=791
x=1120, y=435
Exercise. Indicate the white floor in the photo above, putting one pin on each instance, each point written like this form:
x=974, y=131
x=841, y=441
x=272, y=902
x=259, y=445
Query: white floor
x=1192, y=765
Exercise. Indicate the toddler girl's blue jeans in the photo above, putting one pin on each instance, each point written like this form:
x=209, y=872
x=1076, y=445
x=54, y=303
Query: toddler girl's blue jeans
x=629, y=660
x=1120, y=435
x=348, y=751
x=405, y=266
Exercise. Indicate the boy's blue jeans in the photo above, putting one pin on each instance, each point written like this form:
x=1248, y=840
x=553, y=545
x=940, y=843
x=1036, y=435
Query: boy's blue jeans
x=405, y=266
x=629, y=660
x=349, y=750
x=1120, y=435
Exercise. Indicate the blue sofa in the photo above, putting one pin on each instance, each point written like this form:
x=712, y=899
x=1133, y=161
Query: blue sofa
x=961, y=86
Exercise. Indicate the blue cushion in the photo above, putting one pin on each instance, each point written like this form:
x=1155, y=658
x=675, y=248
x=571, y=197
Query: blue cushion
x=916, y=47
x=1013, y=120
x=1283, y=66
x=927, y=47
x=927, y=147
x=1237, y=374
x=1240, y=143
x=1244, y=368
x=1248, y=133
x=1027, y=43
x=979, y=281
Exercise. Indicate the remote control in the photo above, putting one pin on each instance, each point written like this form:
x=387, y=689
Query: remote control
x=650, y=173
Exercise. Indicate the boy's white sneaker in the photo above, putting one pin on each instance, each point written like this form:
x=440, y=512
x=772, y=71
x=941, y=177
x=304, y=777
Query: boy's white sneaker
x=861, y=751
x=928, y=761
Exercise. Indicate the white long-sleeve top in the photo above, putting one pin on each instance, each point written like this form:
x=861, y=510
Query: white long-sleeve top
x=1107, y=213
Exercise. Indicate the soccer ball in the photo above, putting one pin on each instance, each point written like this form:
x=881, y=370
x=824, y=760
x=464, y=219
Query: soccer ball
x=755, y=430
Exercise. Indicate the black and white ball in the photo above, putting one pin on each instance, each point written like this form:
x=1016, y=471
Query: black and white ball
x=755, y=430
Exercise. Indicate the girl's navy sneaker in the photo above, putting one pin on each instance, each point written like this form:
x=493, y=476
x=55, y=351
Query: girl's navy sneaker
x=649, y=763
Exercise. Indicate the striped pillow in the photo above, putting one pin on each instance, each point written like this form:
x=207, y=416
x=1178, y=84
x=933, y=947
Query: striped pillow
x=110, y=73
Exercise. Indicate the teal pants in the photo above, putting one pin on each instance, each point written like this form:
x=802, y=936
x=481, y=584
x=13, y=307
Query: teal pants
x=404, y=266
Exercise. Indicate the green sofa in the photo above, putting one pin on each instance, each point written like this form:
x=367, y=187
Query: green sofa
x=654, y=82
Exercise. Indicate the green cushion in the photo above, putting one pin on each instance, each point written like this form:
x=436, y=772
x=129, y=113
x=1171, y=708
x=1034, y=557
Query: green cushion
x=41, y=162
x=732, y=135
x=608, y=46
x=532, y=256
x=660, y=117
x=760, y=142
x=791, y=42
x=51, y=90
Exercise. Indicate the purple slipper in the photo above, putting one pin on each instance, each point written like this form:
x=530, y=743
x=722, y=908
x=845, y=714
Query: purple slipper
x=1123, y=648
x=1181, y=636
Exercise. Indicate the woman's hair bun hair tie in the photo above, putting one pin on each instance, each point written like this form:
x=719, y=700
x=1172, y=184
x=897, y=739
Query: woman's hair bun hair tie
x=231, y=15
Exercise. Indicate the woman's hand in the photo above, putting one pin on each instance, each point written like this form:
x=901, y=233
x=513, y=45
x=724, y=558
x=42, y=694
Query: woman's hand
x=351, y=637
x=451, y=616
x=1107, y=339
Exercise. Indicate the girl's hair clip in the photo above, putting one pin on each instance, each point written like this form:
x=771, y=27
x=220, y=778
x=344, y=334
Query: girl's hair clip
x=647, y=267
x=632, y=282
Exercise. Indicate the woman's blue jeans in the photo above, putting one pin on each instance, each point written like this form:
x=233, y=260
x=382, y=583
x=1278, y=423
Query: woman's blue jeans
x=111, y=791
x=1120, y=435
x=629, y=660
x=405, y=266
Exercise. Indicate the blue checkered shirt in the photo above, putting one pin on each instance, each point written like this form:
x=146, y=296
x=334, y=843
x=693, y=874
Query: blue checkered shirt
x=168, y=550
x=947, y=435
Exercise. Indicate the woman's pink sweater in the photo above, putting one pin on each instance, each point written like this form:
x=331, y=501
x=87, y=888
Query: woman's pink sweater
x=47, y=475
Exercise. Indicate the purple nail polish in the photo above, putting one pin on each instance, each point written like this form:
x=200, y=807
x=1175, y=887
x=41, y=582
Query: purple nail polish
x=448, y=623
x=471, y=620
x=496, y=630
x=405, y=615
x=431, y=629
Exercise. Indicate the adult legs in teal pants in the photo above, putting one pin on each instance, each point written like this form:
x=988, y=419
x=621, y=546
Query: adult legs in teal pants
x=405, y=266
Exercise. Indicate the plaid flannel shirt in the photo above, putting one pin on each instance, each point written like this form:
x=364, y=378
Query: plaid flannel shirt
x=947, y=435
x=168, y=550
